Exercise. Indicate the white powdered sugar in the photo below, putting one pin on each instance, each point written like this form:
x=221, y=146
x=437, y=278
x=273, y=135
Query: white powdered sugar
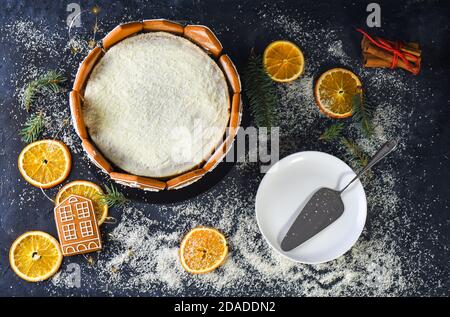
x=165, y=114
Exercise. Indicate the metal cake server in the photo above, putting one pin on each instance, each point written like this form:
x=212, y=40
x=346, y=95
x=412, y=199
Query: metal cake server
x=325, y=207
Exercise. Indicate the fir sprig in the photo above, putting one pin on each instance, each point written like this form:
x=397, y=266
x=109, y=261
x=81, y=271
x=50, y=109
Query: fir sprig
x=355, y=150
x=332, y=132
x=363, y=113
x=33, y=128
x=49, y=82
x=113, y=197
x=260, y=91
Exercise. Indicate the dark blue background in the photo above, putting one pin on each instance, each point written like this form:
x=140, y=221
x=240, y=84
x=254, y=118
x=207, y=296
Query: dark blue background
x=426, y=22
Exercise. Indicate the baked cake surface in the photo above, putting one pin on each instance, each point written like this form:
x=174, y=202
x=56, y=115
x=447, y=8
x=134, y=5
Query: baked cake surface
x=156, y=105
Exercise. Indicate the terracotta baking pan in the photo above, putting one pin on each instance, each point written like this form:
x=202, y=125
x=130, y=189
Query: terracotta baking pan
x=202, y=37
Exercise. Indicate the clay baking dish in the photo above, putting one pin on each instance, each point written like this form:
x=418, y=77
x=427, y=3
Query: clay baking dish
x=203, y=37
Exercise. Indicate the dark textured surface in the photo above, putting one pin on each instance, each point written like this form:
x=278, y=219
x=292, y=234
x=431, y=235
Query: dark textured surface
x=424, y=187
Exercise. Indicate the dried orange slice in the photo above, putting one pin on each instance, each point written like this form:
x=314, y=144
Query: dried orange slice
x=45, y=163
x=35, y=256
x=283, y=61
x=334, y=91
x=203, y=250
x=88, y=190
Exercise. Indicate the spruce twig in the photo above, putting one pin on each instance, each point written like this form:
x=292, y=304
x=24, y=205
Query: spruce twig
x=33, y=128
x=332, y=132
x=363, y=113
x=355, y=150
x=261, y=92
x=113, y=197
x=49, y=82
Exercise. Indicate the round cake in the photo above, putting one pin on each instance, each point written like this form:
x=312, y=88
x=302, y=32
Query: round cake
x=156, y=105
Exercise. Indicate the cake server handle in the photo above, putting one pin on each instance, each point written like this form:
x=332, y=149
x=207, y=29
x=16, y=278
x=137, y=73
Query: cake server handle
x=387, y=148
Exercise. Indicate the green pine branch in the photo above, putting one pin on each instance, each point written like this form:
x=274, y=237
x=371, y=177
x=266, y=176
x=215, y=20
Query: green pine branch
x=261, y=92
x=33, y=128
x=356, y=151
x=332, y=132
x=113, y=197
x=363, y=113
x=49, y=82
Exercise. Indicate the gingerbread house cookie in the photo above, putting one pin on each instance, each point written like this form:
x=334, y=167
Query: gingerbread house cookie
x=77, y=226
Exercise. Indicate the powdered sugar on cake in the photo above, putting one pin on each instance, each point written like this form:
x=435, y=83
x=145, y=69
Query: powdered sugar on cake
x=156, y=105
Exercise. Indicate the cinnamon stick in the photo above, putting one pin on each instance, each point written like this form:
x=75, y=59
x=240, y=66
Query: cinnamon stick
x=379, y=52
x=410, y=48
x=372, y=61
x=370, y=48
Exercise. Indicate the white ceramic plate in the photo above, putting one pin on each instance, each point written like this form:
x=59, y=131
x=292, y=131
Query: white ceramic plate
x=289, y=184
